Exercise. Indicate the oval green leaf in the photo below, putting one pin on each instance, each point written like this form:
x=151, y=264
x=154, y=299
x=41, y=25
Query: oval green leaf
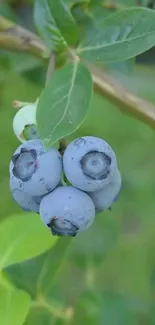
x=38, y=275
x=23, y=237
x=64, y=103
x=39, y=315
x=64, y=20
x=120, y=36
x=14, y=305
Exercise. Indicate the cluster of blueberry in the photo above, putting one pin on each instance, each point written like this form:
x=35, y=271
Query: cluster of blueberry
x=93, y=182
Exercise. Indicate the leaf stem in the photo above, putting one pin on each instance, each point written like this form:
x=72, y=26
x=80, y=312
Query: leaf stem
x=66, y=314
x=62, y=145
x=16, y=38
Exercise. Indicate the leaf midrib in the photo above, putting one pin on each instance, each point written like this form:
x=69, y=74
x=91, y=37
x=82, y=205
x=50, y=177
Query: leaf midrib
x=68, y=97
x=93, y=48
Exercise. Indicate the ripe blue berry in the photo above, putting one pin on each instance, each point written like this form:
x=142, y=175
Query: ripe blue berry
x=89, y=163
x=27, y=202
x=67, y=211
x=105, y=197
x=39, y=171
x=24, y=164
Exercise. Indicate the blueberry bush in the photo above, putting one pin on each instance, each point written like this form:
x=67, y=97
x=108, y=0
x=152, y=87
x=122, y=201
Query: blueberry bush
x=77, y=117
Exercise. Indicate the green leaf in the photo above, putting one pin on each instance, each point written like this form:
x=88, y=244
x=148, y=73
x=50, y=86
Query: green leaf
x=72, y=3
x=39, y=316
x=38, y=275
x=55, y=31
x=64, y=20
x=47, y=27
x=120, y=36
x=64, y=103
x=130, y=3
x=83, y=19
x=98, y=12
x=14, y=305
x=23, y=237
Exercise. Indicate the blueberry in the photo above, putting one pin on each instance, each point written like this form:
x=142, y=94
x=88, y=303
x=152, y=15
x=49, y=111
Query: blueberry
x=67, y=211
x=39, y=172
x=89, y=163
x=24, y=123
x=105, y=197
x=24, y=164
x=27, y=202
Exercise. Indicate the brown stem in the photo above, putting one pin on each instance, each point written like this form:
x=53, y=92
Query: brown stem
x=126, y=101
x=16, y=38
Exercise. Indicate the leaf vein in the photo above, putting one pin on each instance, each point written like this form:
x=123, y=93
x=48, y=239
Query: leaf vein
x=97, y=47
x=57, y=102
x=68, y=96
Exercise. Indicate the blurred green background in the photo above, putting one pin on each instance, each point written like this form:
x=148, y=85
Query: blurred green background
x=109, y=274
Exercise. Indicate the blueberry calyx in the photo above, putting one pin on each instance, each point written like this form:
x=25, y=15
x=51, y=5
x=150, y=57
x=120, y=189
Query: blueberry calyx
x=62, y=227
x=96, y=165
x=30, y=132
x=24, y=164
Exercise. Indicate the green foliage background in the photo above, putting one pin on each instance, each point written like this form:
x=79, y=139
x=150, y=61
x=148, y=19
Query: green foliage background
x=108, y=275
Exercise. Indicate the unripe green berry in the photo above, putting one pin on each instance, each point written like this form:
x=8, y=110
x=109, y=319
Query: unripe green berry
x=24, y=123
